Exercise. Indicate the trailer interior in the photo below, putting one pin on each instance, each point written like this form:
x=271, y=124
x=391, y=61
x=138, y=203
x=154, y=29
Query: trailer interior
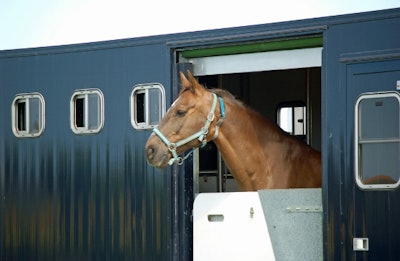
x=290, y=97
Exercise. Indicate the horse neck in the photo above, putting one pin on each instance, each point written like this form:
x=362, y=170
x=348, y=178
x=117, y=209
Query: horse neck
x=241, y=142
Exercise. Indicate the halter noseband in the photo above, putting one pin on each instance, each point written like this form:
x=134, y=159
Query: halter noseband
x=200, y=135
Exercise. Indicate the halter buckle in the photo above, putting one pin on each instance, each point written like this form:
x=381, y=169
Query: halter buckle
x=210, y=116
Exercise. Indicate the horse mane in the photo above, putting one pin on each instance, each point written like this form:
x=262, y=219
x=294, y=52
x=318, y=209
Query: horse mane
x=275, y=132
x=227, y=95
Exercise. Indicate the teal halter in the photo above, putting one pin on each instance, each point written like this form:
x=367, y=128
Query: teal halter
x=200, y=135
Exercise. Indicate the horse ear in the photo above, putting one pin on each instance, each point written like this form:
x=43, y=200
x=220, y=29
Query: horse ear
x=192, y=80
x=196, y=86
x=184, y=81
x=189, y=84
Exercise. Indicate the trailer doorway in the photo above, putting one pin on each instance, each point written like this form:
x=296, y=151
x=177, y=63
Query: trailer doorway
x=284, y=85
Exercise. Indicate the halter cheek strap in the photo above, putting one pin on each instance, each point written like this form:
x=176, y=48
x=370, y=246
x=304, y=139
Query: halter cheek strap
x=200, y=135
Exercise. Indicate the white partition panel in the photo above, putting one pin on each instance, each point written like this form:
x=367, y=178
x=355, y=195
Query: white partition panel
x=230, y=226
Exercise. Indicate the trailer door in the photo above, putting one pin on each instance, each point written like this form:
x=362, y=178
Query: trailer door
x=373, y=107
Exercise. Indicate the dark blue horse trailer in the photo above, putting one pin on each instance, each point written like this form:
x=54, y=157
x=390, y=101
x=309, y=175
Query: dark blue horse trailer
x=74, y=181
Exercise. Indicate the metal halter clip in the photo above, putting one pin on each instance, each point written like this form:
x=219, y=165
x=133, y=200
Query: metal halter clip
x=180, y=161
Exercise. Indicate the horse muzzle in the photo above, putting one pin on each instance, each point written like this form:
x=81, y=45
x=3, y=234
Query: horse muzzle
x=157, y=154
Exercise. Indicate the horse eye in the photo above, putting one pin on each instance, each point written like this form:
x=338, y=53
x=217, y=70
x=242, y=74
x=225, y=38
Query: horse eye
x=180, y=113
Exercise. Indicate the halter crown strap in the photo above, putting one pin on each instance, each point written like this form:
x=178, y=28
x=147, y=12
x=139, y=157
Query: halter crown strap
x=221, y=118
x=200, y=135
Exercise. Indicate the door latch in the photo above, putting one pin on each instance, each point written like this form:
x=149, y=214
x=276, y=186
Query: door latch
x=360, y=244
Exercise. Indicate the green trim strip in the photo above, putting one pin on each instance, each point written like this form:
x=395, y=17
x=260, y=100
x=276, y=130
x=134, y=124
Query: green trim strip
x=255, y=47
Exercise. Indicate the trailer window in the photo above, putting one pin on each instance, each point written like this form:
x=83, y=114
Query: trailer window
x=28, y=111
x=147, y=102
x=377, y=140
x=292, y=118
x=87, y=111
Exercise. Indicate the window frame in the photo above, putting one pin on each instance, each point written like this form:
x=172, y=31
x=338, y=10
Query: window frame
x=27, y=133
x=357, y=141
x=84, y=93
x=144, y=88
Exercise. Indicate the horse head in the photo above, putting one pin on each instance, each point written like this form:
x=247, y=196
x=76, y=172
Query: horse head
x=188, y=123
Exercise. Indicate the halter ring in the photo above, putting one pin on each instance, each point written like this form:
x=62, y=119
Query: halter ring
x=172, y=147
x=180, y=160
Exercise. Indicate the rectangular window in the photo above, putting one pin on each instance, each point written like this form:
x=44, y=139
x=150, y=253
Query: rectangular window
x=28, y=111
x=140, y=109
x=292, y=118
x=79, y=112
x=87, y=111
x=377, y=140
x=147, y=105
x=21, y=115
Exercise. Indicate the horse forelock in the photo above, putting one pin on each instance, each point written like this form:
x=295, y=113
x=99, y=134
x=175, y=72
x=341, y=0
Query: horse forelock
x=185, y=89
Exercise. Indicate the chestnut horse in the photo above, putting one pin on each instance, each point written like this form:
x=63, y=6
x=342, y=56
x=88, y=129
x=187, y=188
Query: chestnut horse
x=257, y=152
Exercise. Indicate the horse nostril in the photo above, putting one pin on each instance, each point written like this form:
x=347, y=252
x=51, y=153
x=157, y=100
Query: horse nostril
x=150, y=152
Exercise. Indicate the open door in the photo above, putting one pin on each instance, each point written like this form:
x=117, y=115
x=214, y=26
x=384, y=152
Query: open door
x=271, y=82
